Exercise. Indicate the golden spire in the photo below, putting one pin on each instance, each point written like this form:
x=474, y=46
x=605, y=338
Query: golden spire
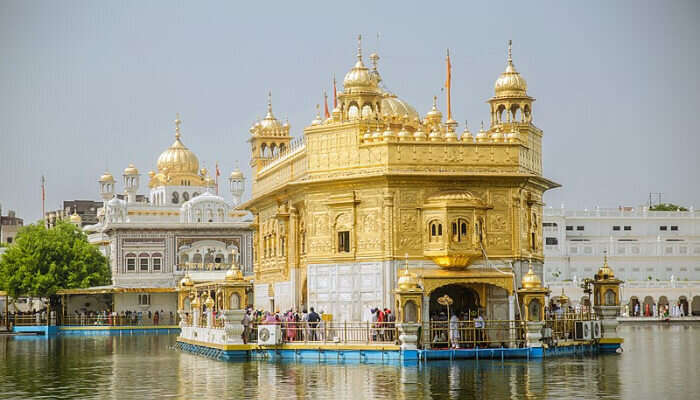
x=359, y=48
x=269, y=103
x=510, y=52
x=177, y=125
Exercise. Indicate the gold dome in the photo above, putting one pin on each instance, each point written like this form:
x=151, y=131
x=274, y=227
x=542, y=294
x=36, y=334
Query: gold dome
x=510, y=83
x=359, y=77
x=178, y=159
x=408, y=281
x=75, y=218
x=234, y=274
x=605, y=272
x=563, y=299
x=531, y=280
x=236, y=174
x=434, y=113
x=131, y=170
x=107, y=178
x=392, y=105
x=186, y=281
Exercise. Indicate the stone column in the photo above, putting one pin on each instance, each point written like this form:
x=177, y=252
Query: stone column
x=533, y=333
x=293, y=256
x=425, y=313
x=408, y=335
x=233, y=326
x=511, y=318
x=195, y=317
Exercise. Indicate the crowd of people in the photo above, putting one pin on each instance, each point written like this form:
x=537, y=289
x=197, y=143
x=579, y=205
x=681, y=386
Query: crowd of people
x=315, y=326
x=673, y=310
x=106, y=317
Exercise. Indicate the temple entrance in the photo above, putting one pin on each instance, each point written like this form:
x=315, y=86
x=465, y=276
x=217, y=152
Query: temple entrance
x=635, y=307
x=465, y=300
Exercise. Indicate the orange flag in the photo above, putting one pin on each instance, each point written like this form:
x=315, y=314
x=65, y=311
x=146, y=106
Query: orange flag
x=325, y=105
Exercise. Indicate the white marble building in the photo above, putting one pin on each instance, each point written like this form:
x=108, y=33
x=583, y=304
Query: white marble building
x=657, y=250
x=182, y=226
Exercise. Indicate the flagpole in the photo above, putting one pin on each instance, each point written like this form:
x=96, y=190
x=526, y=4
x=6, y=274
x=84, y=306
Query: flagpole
x=448, y=85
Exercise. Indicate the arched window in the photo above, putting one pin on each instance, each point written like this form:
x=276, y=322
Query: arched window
x=157, y=262
x=534, y=309
x=175, y=198
x=234, y=302
x=143, y=262
x=459, y=230
x=435, y=231
x=410, y=312
x=130, y=262
x=353, y=112
x=610, y=297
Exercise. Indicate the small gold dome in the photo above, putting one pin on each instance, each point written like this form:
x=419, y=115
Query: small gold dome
x=419, y=135
x=510, y=83
x=531, y=280
x=563, y=299
x=209, y=302
x=407, y=281
x=236, y=174
x=209, y=181
x=434, y=113
x=195, y=302
x=186, y=281
x=605, y=272
x=178, y=159
x=107, y=178
x=75, y=218
x=234, y=275
x=359, y=77
x=131, y=170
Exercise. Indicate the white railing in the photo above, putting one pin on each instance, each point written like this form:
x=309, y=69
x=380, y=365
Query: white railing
x=621, y=212
x=295, y=146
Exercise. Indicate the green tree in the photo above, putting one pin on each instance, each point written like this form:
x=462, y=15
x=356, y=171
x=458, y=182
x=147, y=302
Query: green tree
x=667, y=207
x=42, y=261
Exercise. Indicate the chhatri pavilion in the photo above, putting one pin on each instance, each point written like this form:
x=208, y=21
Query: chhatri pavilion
x=374, y=191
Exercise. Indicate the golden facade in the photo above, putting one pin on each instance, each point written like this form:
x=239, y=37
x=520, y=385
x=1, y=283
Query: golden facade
x=374, y=182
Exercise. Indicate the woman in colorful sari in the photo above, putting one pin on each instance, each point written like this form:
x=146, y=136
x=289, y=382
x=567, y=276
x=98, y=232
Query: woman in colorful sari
x=291, y=327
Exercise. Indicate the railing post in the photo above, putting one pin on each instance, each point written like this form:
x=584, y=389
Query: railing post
x=345, y=331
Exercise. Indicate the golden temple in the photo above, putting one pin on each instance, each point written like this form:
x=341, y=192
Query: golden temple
x=372, y=183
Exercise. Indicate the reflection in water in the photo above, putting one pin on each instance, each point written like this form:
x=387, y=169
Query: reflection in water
x=658, y=362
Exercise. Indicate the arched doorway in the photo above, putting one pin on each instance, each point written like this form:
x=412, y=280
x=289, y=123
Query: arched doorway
x=663, y=305
x=635, y=307
x=695, y=306
x=684, y=305
x=465, y=300
x=648, y=306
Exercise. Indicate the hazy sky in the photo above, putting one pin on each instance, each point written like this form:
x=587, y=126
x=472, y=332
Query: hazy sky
x=91, y=85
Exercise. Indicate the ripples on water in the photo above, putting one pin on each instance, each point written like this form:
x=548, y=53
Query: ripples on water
x=659, y=362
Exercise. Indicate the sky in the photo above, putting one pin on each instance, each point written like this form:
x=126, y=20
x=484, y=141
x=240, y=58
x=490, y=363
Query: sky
x=87, y=86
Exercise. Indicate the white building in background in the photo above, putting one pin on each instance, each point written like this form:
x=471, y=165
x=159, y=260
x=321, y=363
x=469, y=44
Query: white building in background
x=656, y=253
x=180, y=226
